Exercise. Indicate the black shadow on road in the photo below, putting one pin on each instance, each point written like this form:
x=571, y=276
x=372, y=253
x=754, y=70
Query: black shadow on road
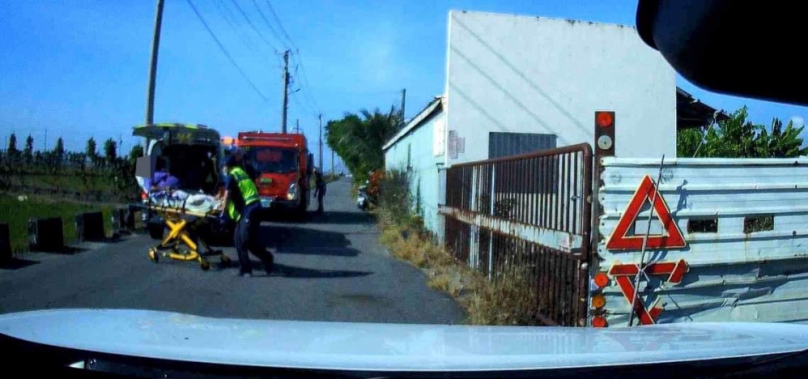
x=285, y=216
x=297, y=240
x=341, y=217
x=307, y=273
x=15, y=264
x=332, y=251
x=65, y=250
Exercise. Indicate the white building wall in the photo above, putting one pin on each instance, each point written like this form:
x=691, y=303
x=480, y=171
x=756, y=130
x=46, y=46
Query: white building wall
x=511, y=73
x=423, y=165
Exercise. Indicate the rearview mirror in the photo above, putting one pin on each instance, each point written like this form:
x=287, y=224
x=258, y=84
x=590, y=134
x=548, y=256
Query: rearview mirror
x=695, y=37
x=309, y=164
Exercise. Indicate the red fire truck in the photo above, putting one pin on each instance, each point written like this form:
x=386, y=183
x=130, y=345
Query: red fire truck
x=282, y=165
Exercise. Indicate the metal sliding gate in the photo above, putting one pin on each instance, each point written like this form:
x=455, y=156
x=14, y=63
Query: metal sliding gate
x=527, y=215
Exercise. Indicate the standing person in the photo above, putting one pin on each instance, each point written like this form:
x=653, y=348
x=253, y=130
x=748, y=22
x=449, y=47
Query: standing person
x=241, y=202
x=319, y=190
x=246, y=164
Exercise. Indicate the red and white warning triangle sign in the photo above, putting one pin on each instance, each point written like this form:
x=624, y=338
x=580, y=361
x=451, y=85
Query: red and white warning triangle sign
x=671, y=237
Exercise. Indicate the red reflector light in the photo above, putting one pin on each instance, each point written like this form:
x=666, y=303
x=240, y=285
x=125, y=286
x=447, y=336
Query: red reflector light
x=143, y=195
x=599, y=322
x=601, y=280
x=604, y=119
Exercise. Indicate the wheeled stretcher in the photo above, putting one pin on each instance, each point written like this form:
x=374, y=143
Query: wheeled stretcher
x=184, y=241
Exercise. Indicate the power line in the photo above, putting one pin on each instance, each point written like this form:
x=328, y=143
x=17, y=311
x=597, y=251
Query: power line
x=226, y=14
x=275, y=15
x=230, y=58
x=245, y=39
x=253, y=25
x=311, y=103
x=308, y=94
x=300, y=104
x=397, y=92
x=305, y=82
x=269, y=25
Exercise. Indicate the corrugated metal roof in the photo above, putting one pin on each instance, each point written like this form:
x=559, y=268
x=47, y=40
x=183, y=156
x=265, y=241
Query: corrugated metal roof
x=432, y=107
x=692, y=113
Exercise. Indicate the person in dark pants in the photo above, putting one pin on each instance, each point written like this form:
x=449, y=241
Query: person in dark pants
x=246, y=164
x=319, y=190
x=242, y=203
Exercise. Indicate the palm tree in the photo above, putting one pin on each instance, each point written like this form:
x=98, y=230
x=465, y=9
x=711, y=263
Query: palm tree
x=358, y=139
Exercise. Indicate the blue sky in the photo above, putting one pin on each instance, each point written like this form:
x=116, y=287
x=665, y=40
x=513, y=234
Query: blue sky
x=78, y=68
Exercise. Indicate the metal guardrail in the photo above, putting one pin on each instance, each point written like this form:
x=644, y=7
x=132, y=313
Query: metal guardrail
x=744, y=222
x=527, y=214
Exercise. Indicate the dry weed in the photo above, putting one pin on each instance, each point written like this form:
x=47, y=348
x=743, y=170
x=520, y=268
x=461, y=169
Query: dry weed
x=508, y=300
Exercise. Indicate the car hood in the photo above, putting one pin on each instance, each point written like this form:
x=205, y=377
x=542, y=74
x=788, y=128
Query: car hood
x=392, y=347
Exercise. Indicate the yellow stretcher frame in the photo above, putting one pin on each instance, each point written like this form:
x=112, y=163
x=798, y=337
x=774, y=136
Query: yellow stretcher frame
x=180, y=222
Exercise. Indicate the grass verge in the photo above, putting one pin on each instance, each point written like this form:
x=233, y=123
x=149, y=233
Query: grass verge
x=18, y=212
x=508, y=300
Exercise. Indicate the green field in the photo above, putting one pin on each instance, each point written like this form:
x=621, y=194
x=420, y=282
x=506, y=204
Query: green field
x=67, y=180
x=18, y=212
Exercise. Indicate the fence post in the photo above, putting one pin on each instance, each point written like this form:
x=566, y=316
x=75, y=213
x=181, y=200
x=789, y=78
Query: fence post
x=474, y=243
x=5, y=243
x=442, y=173
x=491, y=211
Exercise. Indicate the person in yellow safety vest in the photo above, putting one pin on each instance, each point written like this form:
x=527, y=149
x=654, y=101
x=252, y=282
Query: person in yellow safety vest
x=241, y=206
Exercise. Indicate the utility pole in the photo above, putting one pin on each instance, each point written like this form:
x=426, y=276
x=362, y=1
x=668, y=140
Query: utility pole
x=332, y=163
x=45, y=141
x=403, y=103
x=297, y=125
x=285, y=90
x=321, y=141
x=155, y=47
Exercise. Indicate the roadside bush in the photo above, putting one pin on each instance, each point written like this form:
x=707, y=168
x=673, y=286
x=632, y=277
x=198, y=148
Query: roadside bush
x=398, y=203
x=394, y=194
x=508, y=300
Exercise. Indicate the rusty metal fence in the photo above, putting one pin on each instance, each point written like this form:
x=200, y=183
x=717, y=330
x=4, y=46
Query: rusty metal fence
x=527, y=215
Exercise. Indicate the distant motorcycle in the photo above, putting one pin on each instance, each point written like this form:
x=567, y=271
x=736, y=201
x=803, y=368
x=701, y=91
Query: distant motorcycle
x=362, y=200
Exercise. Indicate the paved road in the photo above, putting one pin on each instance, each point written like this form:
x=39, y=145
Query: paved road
x=331, y=268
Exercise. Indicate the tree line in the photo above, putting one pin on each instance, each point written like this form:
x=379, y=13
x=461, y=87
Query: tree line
x=737, y=137
x=59, y=157
x=358, y=139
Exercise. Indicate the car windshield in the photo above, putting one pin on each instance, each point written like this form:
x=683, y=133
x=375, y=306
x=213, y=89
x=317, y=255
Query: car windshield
x=271, y=160
x=459, y=162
